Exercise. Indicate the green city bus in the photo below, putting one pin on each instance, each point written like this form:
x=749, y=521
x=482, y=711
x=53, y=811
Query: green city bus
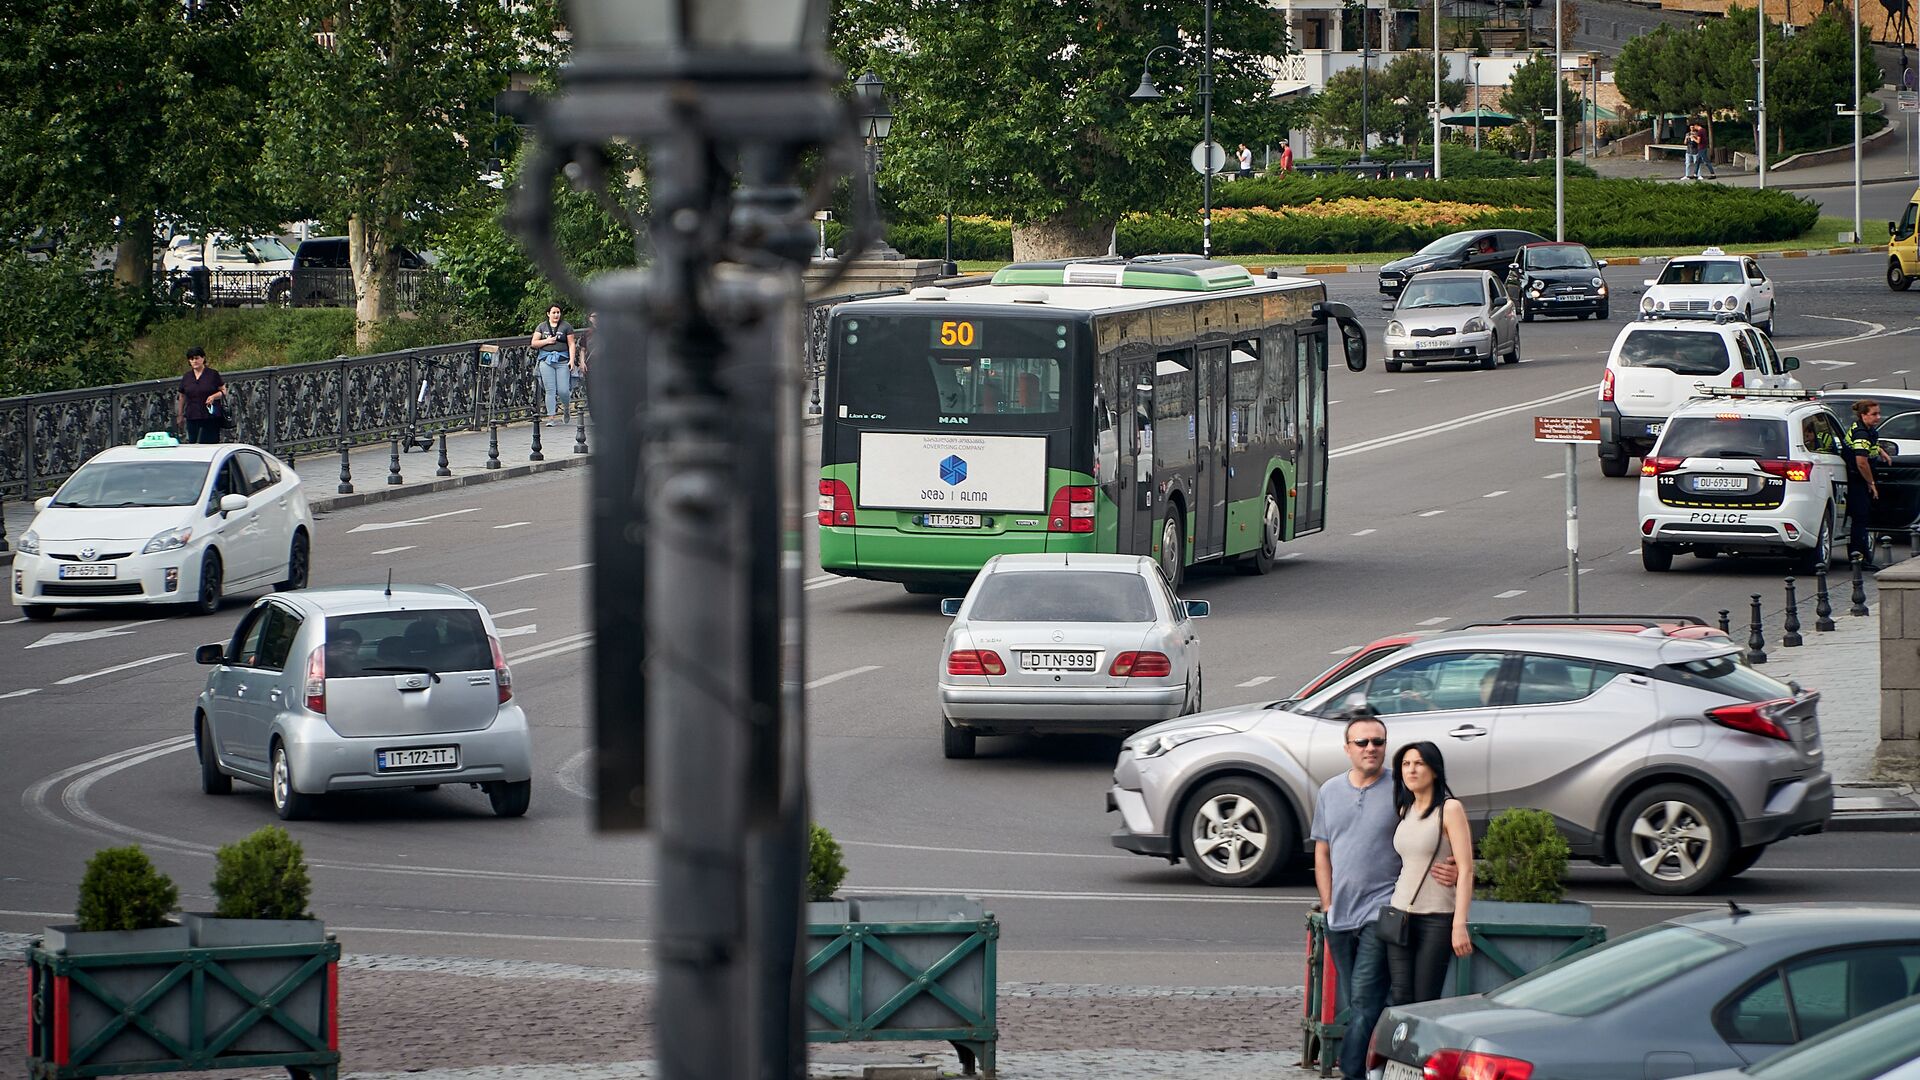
x=1163, y=405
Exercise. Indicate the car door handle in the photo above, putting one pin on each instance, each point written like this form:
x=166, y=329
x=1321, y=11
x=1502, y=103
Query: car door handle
x=240, y=689
x=1467, y=731
x=274, y=693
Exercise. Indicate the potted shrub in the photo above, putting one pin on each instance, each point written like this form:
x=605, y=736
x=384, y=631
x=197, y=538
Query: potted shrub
x=125, y=906
x=1519, y=920
x=260, y=889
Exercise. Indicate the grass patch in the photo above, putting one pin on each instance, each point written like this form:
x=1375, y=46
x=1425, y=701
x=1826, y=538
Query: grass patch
x=237, y=339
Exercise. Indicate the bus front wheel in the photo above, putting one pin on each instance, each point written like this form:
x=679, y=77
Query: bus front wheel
x=1172, y=548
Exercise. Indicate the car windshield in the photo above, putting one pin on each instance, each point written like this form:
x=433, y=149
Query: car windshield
x=1559, y=258
x=1701, y=273
x=270, y=249
x=105, y=485
x=1602, y=977
x=1687, y=352
x=1458, y=292
x=1086, y=596
x=1866, y=1048
x=1446, y=245
x=397, y=642
x=1724, y=437
x=1725, y=675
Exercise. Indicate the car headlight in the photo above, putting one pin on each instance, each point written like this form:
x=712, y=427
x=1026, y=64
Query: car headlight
x=1646, y=304
x=1537, y=286
x=1154, y=745
x=1600, y=287
x=1599, y=283
x=1732, y=302
x=1474, y=325
x=1396, y=329
x=170, y=540
x=29, y=543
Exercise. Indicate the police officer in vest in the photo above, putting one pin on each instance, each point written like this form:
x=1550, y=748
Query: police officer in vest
x=1860, y=446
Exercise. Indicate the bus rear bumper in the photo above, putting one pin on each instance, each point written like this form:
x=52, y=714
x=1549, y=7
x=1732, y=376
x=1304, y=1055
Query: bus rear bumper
x=886, y=554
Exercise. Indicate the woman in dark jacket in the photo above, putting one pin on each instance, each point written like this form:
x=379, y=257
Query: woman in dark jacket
x=203, y=393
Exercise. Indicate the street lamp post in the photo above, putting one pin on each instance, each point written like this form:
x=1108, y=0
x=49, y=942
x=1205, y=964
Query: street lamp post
x=1146, y=91
x=1436, y=89
x=1760, y=103
x=876, y=123
x=1366, y=69
x=1559, y=132
x=1857, y=135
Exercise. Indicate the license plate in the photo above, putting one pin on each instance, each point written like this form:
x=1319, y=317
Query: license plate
x=1057, y=661
x=1426, y=343
x=1655, y=429
x=1400, y=1070
x=953, y=521
x=89, y=570
x=1719, y=483
x=419, y=757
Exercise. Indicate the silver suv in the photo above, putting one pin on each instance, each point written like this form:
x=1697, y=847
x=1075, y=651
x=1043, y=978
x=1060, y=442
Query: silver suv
x=358, y=688
x=1670, y=757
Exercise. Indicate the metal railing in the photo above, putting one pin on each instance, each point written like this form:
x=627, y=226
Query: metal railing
x=303, y=287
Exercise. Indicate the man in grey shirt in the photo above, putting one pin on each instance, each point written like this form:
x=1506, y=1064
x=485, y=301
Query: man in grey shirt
x=1354, y=867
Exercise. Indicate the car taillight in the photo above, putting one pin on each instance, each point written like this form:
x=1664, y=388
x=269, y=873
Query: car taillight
x=1754, y=718
x=1792, y=470
x=317, y=680
x=1606, y=386
x=502, y=674
x=1141, y=665
x=975, y=662
x=1654, y=466
x=1474, y=1065
x=836, y=503
x=1739, y=380
x=1072, y=510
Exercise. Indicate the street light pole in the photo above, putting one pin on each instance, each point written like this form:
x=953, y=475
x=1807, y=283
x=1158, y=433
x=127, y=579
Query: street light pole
x=1206, y=130
x=1436, y=89
x=1559, y=133
x=1474, y=65
x=1366, y=70
x=1760, y=103
x=1856, y=120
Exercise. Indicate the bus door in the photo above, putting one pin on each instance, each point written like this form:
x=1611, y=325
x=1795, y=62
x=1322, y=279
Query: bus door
x=1310, y=413
x=1135, y=417
x=1210, y=464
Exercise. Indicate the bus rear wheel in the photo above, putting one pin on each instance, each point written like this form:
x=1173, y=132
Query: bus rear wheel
x=1261, y=560
x=1173, y=546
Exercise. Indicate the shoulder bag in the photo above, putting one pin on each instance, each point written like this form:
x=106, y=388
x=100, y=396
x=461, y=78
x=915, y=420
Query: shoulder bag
x=1393, y=924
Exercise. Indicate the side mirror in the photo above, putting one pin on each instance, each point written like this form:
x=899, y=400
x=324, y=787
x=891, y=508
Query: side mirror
x=1601, y=263
x=43, y=502
x=1197, y=609
x=950, y=607
x=1513, y=266
x=1790, y=363
x=231, y=503
x=1354, y=340
x=1647, y=284
x=215, y=653
x=1893, y=229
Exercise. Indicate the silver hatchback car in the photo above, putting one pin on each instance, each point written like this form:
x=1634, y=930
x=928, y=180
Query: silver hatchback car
x=358, y=688
x=1670, y=757
x=1058, y=644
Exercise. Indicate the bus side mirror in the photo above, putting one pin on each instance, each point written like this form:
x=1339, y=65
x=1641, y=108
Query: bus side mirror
x=1354, y=339
x=950, y=607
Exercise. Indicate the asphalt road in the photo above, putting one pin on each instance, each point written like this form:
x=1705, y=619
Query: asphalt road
x=1443, y=510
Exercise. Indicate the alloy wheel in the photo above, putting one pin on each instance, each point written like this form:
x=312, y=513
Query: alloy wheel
x=1672, y=840
x=1229, y=834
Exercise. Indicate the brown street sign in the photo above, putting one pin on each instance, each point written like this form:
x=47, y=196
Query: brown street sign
x=1566, y=429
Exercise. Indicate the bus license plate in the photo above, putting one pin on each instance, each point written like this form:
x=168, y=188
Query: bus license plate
x=1719, y=483
x=953, y=521
x=419, y=757
x=89, y=570
x=1057, y=661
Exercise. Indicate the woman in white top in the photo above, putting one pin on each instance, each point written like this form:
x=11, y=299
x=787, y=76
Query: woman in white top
x=1433, y=826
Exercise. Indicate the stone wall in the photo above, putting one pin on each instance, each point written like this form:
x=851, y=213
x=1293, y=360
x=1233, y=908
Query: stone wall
x=1898, y=757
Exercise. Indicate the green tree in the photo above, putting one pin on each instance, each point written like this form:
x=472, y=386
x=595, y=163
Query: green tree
x=1029, y=103
x=1529, y=96
x=1810, y=73
x=381, y=115
x=1399, y=101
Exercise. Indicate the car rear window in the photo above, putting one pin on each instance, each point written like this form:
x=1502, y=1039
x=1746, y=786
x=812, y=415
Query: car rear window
x=1062, y=596
x=1602, y=977
x=1687, y=352
x=394, y=642
x=1724, y=437
x=1724, y=675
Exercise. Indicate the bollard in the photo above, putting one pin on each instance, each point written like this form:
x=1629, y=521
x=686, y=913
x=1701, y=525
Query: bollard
x=3, y=522
x=1822, y=605
x=1913, y=543
x=493, y=444
x=441, y=469
x=580, y=433
x=1756, y=644
x=1791, y=636
x=535, y=454
x=1726, y=626
x=1859, y=606
x=393, y=464
x=1886, y=551
x=346, y=471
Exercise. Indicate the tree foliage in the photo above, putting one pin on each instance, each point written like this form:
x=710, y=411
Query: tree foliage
x=1399, y=101
x=123, y=890
x=1529, y=96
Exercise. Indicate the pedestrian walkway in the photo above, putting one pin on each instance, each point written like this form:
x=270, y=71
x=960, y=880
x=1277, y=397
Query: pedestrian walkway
x=1885, y=159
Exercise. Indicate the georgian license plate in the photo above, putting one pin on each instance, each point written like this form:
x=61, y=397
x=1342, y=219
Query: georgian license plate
x=1719, y=483
x=1400, y=1070
x=418, y=757
x=1056, y=661
x=953, y=521
x=1427, y=343
x=1656, y=429
x=89, y=570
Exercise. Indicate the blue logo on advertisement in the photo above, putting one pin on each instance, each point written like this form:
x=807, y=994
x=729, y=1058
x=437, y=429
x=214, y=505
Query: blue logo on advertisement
x=954, y=469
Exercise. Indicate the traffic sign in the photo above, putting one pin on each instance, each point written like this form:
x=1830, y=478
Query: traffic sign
x=1566, y=429
x=1909, y=100
x=1199, y=158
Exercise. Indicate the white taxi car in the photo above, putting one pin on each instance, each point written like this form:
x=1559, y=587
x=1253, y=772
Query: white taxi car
x=162, y=521
x=1659, y=363
x=1757, y=473
x=1712, y=282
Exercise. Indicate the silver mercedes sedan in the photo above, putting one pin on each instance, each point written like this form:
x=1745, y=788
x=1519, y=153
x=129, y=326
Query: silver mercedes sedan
x=1066, y=644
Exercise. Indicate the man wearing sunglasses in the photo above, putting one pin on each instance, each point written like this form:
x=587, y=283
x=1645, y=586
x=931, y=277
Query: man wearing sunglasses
x=1354, y=868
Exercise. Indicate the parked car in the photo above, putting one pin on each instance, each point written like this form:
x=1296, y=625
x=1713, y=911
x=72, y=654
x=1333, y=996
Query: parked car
x=161, y=521
x=323, y=275
x=360, y=688
x=1712, y=282
x=1881, y=1045
x=1473, y=249
x=1903, y=246
x=1453, y=315
x=225, y=270
x=1745, y=476
x=1658, y=363
x=1711, y=990
x=1060, y=644
x=1558, y=278
x=1669, y=757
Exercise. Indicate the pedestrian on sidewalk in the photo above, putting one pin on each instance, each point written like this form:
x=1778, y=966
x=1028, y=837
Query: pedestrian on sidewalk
x=1697, y=166
x=1433, y=825
x=581, y=342
x=1860, y=446
x=1246, y=162
x=553, y=356
x=1355, y=868
x=202, y=396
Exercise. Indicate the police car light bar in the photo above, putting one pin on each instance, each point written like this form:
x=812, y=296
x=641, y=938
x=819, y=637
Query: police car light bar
x=1788, y=393
x=1718, y=317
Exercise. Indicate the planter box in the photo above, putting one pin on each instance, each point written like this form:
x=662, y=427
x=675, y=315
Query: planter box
x=1510, y=940
x=904, y=968
x=162, y=1001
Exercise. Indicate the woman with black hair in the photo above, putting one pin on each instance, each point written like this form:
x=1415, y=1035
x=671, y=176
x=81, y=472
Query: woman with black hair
x=1433, y=826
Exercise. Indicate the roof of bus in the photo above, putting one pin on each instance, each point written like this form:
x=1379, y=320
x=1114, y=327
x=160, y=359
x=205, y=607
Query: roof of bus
x=1077, y=298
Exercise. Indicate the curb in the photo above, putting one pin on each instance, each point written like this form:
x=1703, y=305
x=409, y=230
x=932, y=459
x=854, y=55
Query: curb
x=1875, y=821
x=326, y=503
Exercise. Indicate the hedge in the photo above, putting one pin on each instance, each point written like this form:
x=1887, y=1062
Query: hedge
x=1456, y=162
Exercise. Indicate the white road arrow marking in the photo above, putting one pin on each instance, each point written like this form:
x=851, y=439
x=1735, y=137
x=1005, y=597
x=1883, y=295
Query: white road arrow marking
x=379, y=526
x=394, y=550
x=71, y=679
x=1509, y=594
x=68, y=637
x=520, y=631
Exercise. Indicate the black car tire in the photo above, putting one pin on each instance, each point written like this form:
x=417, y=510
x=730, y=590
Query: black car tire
x=289, y=803
x=1657, y=558
x=956, y=743
x=1678, y=825
x=1513, y=351
x=207, y=600
x=212, y=780
x=510, y=798
x=1616, y=465
x=299, y=563
x=1493, y=356
x=1897, y=279
x=37, y=612
x=1526, y=313
x=1820, y=555
x=1271, y=820
x=1602, y=314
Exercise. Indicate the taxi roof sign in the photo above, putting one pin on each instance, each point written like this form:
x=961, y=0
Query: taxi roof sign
x=157, y=440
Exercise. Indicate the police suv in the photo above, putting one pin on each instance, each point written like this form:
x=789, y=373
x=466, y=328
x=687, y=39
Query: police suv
x=1749, y=471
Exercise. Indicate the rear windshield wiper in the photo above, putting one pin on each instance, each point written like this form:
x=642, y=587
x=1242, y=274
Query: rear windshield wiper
x=398, y=669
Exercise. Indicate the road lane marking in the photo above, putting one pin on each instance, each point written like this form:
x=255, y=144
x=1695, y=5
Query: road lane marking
x=71, y=679
x=1336, y=401
x=821, y=578
x=575, y=566
x=1553, y=476
x=19, y=693
x=1257, y=680
x=825, y=680
x=1366, y=532
x=511, y=525
x=826, y=584
x=1431, y=513
x=1493, y=494
x=1509, y=594
x=1435, y=621
x=10, y=622
x=519, y=631
x=552, y=648
x=1388, y=390
x=69, y=637
x=1458, y=422
x=381, y=526
x=393, y=551
x=1288, y=555
x=1869, y=380
x=498, y=615
x=509, y=581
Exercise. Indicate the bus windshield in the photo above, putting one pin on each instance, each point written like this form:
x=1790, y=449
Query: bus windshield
x=911, y=370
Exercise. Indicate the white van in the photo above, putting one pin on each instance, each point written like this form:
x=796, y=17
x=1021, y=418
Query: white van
x=1659, y=362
